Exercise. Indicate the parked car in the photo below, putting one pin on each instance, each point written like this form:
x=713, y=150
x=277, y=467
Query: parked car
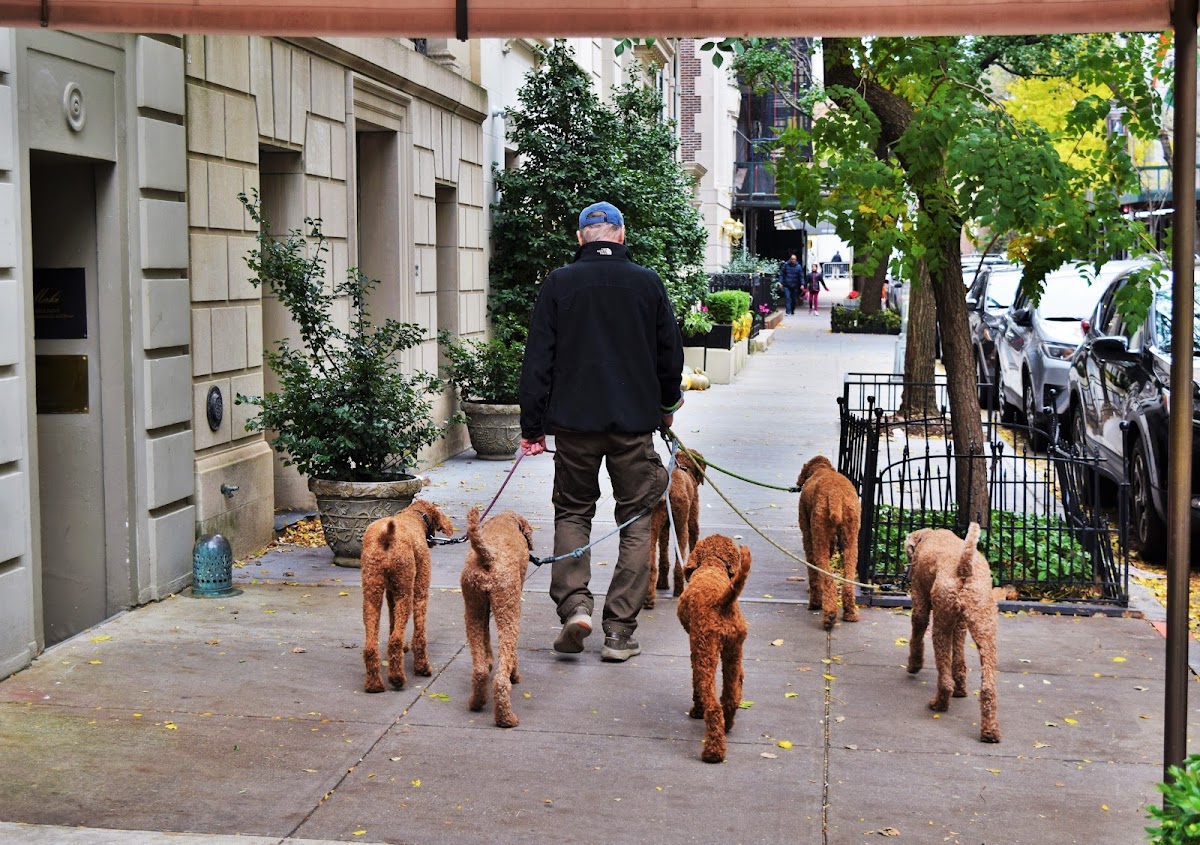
x=988, y=300
x=1036, y=343
x=1119, y=402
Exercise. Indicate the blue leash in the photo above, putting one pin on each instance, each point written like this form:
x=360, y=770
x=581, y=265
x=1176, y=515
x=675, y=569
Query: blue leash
x=577, y=553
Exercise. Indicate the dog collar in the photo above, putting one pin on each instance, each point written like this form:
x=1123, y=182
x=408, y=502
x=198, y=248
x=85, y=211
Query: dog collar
x=428, y=526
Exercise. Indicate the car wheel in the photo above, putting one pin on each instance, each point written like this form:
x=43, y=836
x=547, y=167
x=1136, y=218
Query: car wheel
x=1037, y=439
x=1149, y=532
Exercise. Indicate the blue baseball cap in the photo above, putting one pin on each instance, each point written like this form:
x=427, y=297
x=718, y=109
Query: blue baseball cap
x=601, y=212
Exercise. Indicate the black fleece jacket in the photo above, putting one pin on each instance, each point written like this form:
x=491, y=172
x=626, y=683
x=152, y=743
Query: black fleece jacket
x=604, y=352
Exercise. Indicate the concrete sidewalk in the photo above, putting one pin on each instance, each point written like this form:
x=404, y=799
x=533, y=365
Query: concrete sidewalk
x=247, y=716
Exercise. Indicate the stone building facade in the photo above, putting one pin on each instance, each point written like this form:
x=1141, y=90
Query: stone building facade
x=128, y=321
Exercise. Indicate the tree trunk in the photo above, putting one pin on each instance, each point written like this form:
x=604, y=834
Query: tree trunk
x=919, y=399
x=872, y=289
x=971, y=488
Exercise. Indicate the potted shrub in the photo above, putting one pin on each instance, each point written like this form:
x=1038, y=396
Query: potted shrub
x=696, y=325
x=487, y=374
x=725, y=307
x=345, y=413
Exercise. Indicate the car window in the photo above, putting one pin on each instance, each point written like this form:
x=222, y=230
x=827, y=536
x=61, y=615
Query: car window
x=1161, y=315
x=1110, y=318
x=1002, y=289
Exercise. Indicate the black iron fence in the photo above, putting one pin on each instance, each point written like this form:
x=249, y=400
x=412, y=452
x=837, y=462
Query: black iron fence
x=1049, y=533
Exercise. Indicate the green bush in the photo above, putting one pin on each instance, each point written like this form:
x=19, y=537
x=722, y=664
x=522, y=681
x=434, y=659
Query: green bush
x=696, y=322
x=1179, y=817
x=487, y=371
x=883, y=321
x=1018, y=546
x=725, y=306
x=345, y=410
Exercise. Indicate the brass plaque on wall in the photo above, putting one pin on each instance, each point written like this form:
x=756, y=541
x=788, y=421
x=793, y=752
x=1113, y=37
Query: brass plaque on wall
x=62, y=384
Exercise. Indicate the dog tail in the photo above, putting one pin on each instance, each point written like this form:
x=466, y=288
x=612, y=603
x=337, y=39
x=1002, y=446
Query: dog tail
x=966, y=563
x=388, y=535
x=485, y=556
x=738, y=581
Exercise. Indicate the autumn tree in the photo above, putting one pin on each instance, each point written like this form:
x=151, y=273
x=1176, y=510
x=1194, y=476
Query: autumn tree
x=916, y=144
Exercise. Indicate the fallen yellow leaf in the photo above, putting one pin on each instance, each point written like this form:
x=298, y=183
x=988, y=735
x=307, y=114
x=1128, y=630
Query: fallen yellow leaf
x=901, y=641
x=101, y=638
x=359, y=833
x=1071, y=721
x=994, y=771
x=416, y=783
x=170, y=726
x=1118, y=660
x=95, y=662
x=829, y=677
x=776, y=642
x=785, y=743
x=1104, y=807
x=343, y=593
x=791, y=695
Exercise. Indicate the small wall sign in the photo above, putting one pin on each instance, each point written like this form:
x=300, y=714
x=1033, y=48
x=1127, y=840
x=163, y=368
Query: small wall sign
x=59, y=303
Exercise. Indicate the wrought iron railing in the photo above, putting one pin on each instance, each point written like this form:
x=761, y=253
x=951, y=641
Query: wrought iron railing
x=1047, y=533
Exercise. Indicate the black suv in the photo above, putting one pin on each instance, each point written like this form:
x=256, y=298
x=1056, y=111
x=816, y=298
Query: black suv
x=1119, y=387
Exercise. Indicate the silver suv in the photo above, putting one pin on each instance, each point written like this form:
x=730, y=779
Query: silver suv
x=1036, y=342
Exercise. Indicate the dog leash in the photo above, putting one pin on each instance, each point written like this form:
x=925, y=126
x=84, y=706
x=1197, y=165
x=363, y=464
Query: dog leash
x=450, y=541
x=577, y=553
x=757, y=530
x=795, y=488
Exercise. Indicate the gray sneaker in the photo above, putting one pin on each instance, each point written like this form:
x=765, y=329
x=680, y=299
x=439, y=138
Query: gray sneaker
x=574, y=630
x=619, y=647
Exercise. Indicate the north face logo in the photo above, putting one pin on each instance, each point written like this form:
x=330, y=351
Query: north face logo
x=604, y=251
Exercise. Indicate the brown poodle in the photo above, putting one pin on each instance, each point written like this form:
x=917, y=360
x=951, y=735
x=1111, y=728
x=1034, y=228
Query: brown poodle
x=492, y=578
x=395, y=564
x=952, y=580
x=686, y=479
x=829, y=519
x=716, y=631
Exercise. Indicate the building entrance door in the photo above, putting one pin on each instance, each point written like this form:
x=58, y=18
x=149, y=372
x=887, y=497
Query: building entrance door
x=70, y=465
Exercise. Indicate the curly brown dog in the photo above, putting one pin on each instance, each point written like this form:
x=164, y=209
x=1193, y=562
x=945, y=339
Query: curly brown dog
x=716, y=631
x=686, y=479
x=952, y=580
x=395, y=564
x=492, y=578
x=829, y=519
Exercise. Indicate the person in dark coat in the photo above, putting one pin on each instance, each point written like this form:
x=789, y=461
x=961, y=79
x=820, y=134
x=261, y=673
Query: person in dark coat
x=791, y=277
x=602, y=371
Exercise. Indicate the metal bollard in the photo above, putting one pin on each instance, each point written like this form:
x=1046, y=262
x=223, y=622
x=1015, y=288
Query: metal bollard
x=212, y=568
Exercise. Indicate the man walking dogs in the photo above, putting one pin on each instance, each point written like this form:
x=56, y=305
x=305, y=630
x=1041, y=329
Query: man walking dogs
x=602, y=372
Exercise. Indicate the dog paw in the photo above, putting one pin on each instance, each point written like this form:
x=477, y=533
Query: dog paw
x=939, y=706
x=712, y=756
x=830, y=618
x=509, y=720
x=425, y=670
x=515, y=677
x=914, y=668
x=850, y=617
x=376, y=687
x=697, y=712
x=960, y=693
x=989, y=736
x=648, y=604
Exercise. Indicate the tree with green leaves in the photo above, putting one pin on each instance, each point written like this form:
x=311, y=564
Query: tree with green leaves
x=917, y=145
x=576, y=150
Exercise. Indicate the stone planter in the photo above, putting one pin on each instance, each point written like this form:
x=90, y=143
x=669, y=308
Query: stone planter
x=348, y=507
x=495, y=430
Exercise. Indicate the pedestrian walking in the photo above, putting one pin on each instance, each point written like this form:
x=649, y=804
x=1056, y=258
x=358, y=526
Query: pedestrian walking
x=814, y=282
x=791, y=276
x=602, y=371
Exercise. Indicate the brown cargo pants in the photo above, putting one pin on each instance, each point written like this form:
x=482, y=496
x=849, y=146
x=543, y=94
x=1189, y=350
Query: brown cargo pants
x=638, y=479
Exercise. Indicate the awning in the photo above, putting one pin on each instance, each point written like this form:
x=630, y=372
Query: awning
x=548, y=18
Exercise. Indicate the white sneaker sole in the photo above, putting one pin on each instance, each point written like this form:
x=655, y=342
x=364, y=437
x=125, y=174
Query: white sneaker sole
x=570, y=638
x=615, y=655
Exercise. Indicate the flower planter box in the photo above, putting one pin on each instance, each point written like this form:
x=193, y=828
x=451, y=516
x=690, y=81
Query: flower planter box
x=865, y=330
x=719, y=337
